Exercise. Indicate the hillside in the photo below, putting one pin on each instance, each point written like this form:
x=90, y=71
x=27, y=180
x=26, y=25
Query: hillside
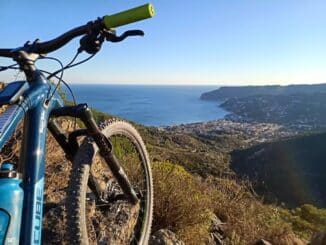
x=290, y=171
x=244, y=91
x=298, y=110
x=185, y=165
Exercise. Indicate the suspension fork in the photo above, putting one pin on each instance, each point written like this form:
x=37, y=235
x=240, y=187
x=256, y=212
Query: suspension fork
x=83, y=112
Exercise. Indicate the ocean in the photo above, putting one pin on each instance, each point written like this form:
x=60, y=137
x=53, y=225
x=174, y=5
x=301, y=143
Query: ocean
x=151, y=105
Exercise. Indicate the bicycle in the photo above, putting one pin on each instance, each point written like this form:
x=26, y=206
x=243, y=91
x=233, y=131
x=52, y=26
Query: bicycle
x=100, y=180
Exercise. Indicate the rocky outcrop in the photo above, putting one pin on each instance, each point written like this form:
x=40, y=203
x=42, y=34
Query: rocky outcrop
x=165, y=237
x=217, y=235
x=318, y=238
x=262, y=242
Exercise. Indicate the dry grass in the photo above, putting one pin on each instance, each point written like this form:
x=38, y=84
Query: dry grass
x=247, y=218
x=181, y=203
x=11, y=150
x=184, y=203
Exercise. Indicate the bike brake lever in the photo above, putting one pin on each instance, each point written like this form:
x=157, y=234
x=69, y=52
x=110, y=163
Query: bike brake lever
x=112, y=37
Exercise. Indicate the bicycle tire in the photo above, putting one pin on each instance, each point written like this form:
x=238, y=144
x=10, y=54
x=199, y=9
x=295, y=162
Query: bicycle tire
x=77, y=203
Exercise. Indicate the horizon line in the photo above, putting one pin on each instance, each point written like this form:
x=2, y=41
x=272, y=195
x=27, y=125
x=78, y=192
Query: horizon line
x=194, y=84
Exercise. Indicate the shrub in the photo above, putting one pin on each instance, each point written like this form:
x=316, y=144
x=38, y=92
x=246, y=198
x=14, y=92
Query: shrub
x=181, y=203
x=184, y=203
x=247, y=218
x=307, y=220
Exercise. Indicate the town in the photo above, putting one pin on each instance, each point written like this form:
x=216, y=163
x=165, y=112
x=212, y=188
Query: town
x=250, y=132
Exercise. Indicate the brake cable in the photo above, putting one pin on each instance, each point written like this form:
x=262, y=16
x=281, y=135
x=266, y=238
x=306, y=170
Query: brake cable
x=3, y=68
x=69, y=89
x=81, y=62
x=60, y=78
x=62, y=67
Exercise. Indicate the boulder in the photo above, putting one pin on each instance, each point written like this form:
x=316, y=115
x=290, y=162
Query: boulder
x=165, y=237
x=217, y=235
x=318, y=238
x=262, y=242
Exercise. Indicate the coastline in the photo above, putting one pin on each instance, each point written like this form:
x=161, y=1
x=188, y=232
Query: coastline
x=151, y=105
x=250, y=132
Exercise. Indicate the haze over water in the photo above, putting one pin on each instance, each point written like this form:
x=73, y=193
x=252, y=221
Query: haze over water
x=151, y=105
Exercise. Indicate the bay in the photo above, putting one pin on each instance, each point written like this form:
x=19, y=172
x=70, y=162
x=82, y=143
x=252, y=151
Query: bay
x=150, y=105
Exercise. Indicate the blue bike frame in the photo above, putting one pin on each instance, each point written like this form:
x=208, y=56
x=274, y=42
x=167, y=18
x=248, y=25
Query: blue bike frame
x=35, y=111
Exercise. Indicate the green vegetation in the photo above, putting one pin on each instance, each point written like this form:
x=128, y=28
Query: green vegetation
x=247, y=218
x=181, y=204
x=100, y=116
x=244, y=91
x=307, y=110
x=185, y=203
x=195, y=154
x=291, y=171
x=192, y=183
x=186, y=166
x=306, y=220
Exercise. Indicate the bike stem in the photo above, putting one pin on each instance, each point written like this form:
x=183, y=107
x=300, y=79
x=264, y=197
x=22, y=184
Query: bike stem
x=26, y=63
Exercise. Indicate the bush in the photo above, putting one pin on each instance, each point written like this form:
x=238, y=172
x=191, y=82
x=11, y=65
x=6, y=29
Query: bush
x=247, y=218
x=313, y=215
x=307, y=220
x=181, y=203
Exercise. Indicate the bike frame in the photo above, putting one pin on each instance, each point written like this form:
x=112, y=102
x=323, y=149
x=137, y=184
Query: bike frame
x=21, y=200
x=38, y=112
x=32, y=159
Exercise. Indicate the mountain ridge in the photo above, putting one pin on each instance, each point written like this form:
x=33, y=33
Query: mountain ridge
x=226, y=92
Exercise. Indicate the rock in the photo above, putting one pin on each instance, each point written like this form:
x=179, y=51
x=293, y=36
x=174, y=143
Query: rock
x=217, y=235
x=318, y=238
x=53, y=224
x=216, y=222
x=216, y=239
x=165, y=237
x=262, y=242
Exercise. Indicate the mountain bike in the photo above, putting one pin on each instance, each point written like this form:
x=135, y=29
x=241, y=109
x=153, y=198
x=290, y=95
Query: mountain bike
x=110, y=165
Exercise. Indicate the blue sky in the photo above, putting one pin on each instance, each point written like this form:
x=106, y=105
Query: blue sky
x=220, y=42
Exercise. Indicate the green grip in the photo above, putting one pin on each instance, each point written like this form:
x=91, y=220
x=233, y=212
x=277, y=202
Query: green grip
x=129, y=16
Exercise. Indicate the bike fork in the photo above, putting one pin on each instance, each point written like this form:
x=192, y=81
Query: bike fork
x=82, y=112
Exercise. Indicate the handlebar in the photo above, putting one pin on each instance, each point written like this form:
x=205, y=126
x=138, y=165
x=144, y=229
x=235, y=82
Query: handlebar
x=129, y=16
x=106, y=22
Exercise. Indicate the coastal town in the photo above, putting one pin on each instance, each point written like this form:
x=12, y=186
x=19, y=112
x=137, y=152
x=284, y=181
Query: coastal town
x=300, y=111
x=250, y=132
x=262, y=114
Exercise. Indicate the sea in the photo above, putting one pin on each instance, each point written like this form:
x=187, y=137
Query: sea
x=151, y=105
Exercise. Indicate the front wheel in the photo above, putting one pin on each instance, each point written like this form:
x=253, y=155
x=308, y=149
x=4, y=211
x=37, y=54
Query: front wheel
x=97, y=212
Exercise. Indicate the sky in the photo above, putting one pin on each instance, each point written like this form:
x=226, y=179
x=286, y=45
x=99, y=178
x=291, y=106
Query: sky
x=209, y=42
